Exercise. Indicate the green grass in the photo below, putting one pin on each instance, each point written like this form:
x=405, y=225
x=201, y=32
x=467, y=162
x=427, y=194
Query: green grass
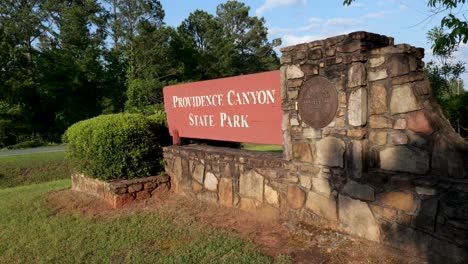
x=32, y=168
x=262, y=147
x=32, y=233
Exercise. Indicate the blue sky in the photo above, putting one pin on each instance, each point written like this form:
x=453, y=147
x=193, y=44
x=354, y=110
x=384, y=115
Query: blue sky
x=298, y=21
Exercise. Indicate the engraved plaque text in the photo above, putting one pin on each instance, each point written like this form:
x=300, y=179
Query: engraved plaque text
x=318, y=102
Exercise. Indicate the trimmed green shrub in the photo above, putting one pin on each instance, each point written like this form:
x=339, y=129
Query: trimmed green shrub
x=117, y=146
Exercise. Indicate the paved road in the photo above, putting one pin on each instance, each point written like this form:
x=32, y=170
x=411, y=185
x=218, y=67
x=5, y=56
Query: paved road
x=32, y=150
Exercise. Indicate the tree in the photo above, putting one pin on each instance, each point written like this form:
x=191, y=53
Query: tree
x=20, y=27
x=197, y=46
x=253, y=53
x=444, y=72
x=71, y=71
x=230, y=43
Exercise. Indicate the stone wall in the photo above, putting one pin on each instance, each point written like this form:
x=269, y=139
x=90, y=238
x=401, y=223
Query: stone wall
x=380, y=162
x=122, y=192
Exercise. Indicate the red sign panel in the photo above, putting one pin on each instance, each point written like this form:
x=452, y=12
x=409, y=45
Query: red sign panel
x=244, y=108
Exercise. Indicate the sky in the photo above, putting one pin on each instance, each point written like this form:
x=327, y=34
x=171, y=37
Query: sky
x=299, y=21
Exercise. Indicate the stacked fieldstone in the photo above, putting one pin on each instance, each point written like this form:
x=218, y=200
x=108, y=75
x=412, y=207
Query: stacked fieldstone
x=394, y=168
x=121, y=192
x=388, y=167
x=229, y=177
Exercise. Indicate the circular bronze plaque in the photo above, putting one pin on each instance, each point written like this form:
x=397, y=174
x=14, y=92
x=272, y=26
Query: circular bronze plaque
x=318, y=102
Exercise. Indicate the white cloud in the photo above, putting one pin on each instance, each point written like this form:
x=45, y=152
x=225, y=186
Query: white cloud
x=270, y=4
x=314, y=20
x=279, y=30
x=355, y=4
x=341, y=22
x=289, y=40
x=380, y=14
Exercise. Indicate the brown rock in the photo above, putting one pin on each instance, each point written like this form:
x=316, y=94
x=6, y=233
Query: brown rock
x=330, y=152
x=211, y=182
x=400, y=124
x=294, y=83
x=377, y=75
x=359, y=191
x=210, y=197
x=401, y=158
x=398, y=64
x=342, y=97
x=315, y=54
x=422, y=87
x=248, y=204
x=355, y=156
x=312, y=133
x=357, y=107
x=322, y=206
x=289, y=178
x=150, y=185
x=330, y=51
x=136, y=187
x=292, y=95
x=303, y=152
x=378, y=138
x=357, y=133
x=375, y=62
x=378, y=99
x=143, y=195
x=357, y=218
x=321, y=185
x=383, y=212
x=300, y=55
x=399, y=138
x=271, y=196
x=403, y=99
x=418, y=122
x=251, y=185
x=120, y=200
x=196, y=186
x=376, y=121
x=356, y=75
x=225, y=192
x=296, y=197
x=306, y=182
x=399, y=200
x=294, y=72
x=349, y=46
x=309, y=69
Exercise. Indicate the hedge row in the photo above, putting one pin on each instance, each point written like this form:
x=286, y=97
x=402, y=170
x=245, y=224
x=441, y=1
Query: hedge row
x=118, y=146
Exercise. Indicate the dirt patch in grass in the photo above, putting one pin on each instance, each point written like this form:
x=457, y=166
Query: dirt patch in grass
x=275, y=237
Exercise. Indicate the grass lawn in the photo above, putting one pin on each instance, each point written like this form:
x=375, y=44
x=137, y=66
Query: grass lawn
x=32, y=168
x=32, y=232
x=261, y=147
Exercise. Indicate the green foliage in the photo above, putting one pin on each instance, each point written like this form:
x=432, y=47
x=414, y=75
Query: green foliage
x=32, y=143
x=455, y=109
x=66, y=61
x=230, y=43
x=117, y=146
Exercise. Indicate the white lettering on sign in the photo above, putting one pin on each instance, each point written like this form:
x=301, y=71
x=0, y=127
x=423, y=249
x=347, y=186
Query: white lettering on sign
x=233, y=121
x=255, y=97
x=201, y=120
x=214, y=100
x=198, y=101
